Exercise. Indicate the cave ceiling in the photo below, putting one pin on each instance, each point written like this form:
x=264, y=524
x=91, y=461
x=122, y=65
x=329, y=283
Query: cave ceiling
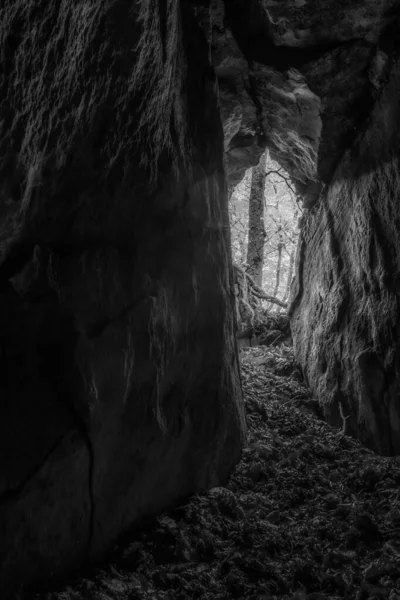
x=299, y=77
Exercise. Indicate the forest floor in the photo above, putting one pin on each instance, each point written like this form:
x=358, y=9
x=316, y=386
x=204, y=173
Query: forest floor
x=308, y=514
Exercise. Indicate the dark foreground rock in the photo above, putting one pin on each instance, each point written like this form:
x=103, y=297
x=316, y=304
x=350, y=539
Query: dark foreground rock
x=119, y=378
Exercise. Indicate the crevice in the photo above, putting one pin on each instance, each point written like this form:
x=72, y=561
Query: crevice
x=382, y=258
x=16, y=259
x=299, y=275
x=18, y=489
x=254, y=39
x=91, y=495
x=334, y=242
x=98, y=329
x=20, y=253
x=163, y=16
x=81, y=426
x=252, y=90
x=12, y=493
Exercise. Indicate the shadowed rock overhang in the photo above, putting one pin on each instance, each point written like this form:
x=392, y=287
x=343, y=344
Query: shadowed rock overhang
x=299, y=77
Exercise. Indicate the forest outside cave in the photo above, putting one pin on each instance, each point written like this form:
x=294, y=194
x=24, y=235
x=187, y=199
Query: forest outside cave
x=279, y=231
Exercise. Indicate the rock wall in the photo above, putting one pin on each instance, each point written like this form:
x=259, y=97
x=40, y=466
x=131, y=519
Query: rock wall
x=262, y=106
x=305, y=78
x=120, y=390
x=345, y=301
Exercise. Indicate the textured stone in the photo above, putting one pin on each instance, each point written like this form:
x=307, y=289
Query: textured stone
x=325, y=62
x=345, y=302
x=120, y=390
x=305, y=23
x=243, y=132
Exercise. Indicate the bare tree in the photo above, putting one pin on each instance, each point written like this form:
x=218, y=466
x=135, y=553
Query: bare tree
x=289, y=276
x=255, y=247
x=280, y=231
x=278, y=263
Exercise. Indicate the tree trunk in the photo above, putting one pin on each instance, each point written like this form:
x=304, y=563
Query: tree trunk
x=289, y=277
x=255, y=247
x=278, y=266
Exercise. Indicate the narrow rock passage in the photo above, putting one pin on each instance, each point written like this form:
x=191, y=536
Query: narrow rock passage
x=308, y=514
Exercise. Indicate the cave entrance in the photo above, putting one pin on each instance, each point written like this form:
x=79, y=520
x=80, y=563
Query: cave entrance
x=265, y=213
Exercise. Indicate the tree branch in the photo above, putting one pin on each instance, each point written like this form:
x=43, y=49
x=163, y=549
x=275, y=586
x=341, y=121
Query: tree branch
x=257, y=291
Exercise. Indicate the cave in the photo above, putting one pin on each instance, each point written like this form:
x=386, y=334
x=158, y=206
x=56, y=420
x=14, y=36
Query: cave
x=124, y=128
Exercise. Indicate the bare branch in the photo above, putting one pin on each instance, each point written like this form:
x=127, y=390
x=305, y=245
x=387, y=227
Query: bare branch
x=257, y=291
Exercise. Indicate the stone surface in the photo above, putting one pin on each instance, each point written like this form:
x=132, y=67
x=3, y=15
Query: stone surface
x=345, y=302
x=262, y=106
x=290, y=115
x=244, y=136
x=120, y=390
x=305, y=23
x=310, y=72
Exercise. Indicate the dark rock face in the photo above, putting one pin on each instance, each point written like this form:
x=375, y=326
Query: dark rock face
x=345, y=306
x=120, y=391
x=244, y=138
x=316, y=74
x=304, y=74
x=261, y=106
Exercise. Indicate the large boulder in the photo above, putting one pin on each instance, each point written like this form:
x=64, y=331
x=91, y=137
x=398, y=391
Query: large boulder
x=120, y=391
x=345, y=302
x=300, y=77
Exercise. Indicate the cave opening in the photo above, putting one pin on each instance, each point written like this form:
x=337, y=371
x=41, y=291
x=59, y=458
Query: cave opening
x=149, y=389
x=265, y=221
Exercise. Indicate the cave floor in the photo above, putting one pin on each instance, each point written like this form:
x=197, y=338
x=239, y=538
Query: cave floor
x=308, y=514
